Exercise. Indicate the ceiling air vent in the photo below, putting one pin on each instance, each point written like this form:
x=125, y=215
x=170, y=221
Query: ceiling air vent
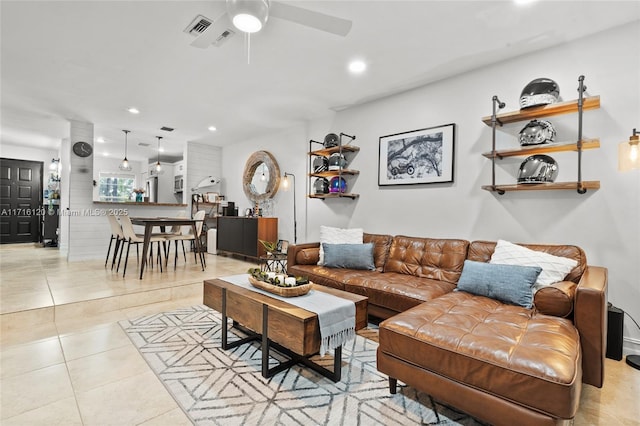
x=143, y=144
x=167, y=129
x=198, y=25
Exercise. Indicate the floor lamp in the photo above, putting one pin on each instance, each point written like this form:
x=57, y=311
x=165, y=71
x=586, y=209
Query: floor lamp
x=285, y=183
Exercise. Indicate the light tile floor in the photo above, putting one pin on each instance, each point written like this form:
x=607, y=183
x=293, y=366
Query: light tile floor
x=66, y=361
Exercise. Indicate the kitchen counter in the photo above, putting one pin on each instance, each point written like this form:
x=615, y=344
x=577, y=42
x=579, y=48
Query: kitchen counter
x=135, y=203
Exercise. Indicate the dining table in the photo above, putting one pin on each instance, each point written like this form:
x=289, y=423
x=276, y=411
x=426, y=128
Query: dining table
x=150, y=222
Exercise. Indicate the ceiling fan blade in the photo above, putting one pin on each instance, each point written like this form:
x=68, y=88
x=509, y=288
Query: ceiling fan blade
x=309, y=18
x=211, y=33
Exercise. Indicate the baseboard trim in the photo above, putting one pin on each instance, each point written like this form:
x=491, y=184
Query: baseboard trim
x=631, y=346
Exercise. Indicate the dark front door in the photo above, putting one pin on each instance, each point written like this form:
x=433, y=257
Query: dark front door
x=20, y=200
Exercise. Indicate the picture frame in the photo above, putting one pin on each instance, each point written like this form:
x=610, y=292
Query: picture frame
x=282, y=246
x=422, y=156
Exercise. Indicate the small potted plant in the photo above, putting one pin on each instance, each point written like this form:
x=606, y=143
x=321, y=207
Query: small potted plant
x=139, y=193
x=269, y=246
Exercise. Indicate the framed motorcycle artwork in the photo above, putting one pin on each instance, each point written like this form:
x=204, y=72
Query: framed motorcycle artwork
x=417, y=157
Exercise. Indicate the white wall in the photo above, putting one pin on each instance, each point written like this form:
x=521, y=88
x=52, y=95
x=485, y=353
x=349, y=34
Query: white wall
x=27, y=153
x=605, y=223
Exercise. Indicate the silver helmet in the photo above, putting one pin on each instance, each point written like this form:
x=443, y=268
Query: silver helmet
x=538, y=169
x=541, y=91
x=320, y=164
x=321, y=186
x=337, y=161
x=537, y=132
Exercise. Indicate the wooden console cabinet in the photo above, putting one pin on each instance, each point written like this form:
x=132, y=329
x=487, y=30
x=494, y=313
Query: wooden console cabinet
x=241, y=235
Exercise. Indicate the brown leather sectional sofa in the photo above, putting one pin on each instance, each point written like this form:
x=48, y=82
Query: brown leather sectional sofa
x=500, y=363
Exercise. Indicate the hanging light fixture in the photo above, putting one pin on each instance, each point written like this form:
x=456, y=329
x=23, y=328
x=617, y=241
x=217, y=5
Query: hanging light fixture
x=158, y=166
x=125, y=166
x=628, y=153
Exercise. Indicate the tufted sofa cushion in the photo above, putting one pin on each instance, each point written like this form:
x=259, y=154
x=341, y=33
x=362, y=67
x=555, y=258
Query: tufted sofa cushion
x=437, y=259
x=507, y=351
x=381, y=246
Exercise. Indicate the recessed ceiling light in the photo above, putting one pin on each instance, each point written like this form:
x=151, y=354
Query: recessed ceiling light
x=105, y=154
x=134, y=110
x=212, y=128
x=100, y=140
x=523, y=2
x=161, y=150
x=357, y=66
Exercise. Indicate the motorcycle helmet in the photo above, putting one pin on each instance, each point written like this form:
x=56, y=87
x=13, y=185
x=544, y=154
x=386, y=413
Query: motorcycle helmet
x=541, y=91
x=331, y=140
x=337, y=161
x=321, y=186
x=538, y=169
x=338, y=184
x=320, y=164
x=537, y=132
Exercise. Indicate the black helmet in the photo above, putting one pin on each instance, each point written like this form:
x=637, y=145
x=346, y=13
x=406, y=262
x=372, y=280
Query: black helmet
x=541, y=91
x=320, y=164
x=337, y=161
x=321, y=186
x=331, y=140
x=538, y=169
x=537, y=132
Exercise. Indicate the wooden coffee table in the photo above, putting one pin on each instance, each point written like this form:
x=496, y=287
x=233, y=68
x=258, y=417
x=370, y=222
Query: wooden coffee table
x=290, y=330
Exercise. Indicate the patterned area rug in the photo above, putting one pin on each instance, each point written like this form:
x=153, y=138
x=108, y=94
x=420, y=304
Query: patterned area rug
x=218, y=387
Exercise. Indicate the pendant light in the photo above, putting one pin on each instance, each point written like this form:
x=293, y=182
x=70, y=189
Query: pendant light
x=125, y=166
x=158, y=166
x=628, y=155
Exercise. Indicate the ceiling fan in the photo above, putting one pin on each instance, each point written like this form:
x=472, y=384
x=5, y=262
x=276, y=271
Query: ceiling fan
x=250, y=16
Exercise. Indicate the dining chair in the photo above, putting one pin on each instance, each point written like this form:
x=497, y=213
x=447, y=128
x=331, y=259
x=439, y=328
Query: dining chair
x=182, y=237
x=132, y=238
x=117, y=235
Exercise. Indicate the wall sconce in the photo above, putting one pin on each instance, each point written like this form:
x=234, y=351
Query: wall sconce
x=285, y=184
x=628, y=153
x=55, y=163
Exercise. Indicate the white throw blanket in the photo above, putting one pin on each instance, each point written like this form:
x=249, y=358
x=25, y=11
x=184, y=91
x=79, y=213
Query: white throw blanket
x=336, y=316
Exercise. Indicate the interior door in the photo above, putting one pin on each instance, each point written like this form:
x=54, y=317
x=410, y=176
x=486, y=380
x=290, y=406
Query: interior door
x=20, y=200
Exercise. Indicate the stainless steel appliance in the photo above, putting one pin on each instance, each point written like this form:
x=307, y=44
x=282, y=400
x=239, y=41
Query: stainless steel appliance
x=152, y=189
x=178, y=184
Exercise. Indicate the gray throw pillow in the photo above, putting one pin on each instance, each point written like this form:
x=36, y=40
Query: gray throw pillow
x=507, y=283
x=349, y=256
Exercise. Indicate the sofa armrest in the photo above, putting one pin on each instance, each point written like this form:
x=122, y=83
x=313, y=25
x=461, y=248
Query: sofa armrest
x=590, y=318
x=293, y=250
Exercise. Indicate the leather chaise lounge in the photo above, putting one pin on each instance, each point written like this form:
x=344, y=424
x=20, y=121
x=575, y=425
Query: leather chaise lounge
x=501, y=363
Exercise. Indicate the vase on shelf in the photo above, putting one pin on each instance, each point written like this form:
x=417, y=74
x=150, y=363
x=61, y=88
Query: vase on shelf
x=139, y=197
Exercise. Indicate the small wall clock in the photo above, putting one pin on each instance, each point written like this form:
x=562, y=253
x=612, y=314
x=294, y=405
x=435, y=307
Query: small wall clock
x=82, y=149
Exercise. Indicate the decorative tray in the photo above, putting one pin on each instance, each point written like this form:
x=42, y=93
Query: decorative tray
x=281, y=291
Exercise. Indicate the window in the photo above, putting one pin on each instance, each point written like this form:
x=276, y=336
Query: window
x=116, y=187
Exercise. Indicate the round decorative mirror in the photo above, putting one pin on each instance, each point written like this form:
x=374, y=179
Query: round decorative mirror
x=261, y=177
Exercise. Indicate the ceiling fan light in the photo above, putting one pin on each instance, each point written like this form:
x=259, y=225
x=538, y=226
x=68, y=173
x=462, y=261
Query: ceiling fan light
x=248, y=16
x=247, y=23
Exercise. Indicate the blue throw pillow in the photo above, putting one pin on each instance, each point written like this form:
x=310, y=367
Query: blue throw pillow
x=507, y=283
x=349, y=256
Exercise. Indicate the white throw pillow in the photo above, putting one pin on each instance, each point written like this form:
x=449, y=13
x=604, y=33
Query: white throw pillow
x=331, y=235
x=554, y=268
